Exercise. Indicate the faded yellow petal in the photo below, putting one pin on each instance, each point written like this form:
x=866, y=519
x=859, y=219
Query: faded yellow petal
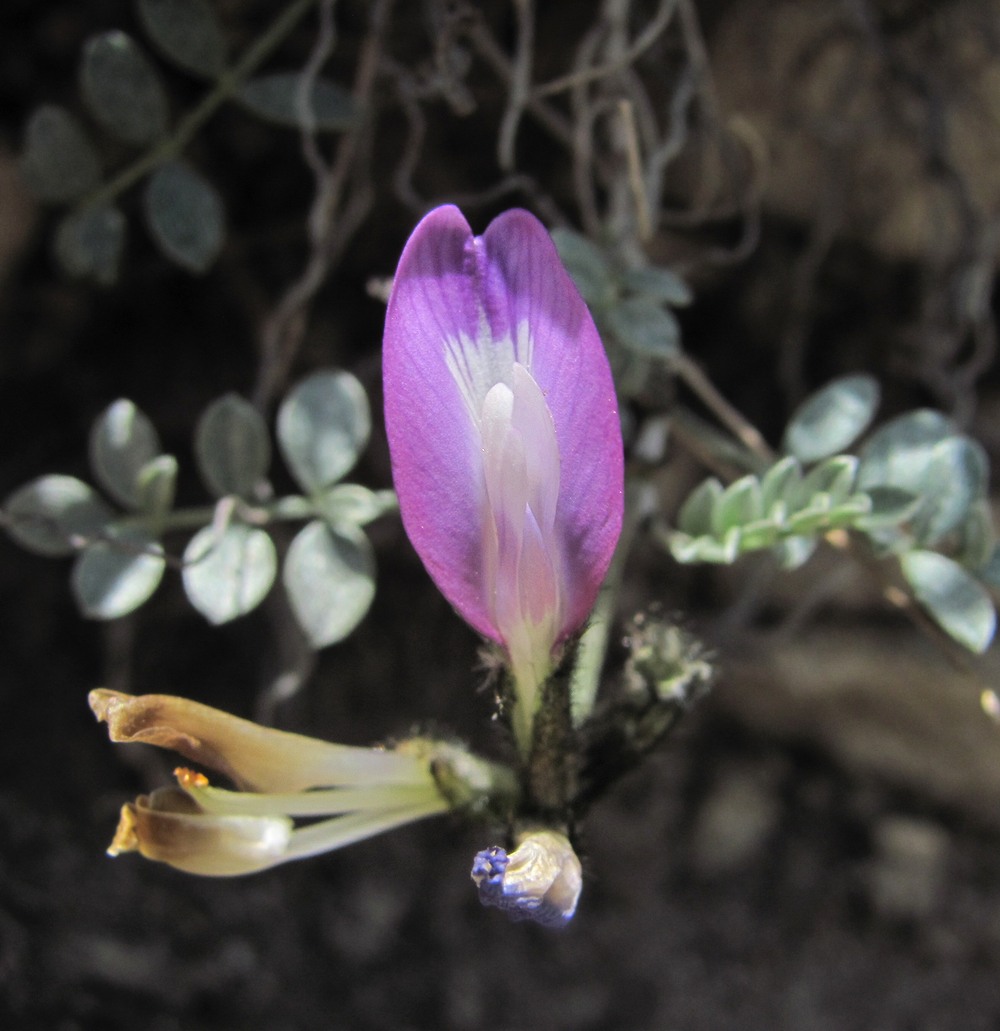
x=255, y=758
x=168, y=827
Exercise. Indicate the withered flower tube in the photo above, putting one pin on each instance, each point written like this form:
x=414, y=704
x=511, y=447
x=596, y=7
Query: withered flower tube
x=349, y=793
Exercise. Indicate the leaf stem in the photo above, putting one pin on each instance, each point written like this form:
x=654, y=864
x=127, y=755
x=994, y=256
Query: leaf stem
x=729, y=416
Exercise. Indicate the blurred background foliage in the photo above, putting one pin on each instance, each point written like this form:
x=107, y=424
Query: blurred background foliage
x=784, y=216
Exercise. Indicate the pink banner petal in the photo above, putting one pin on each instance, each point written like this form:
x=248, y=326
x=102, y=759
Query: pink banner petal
x=466, y=313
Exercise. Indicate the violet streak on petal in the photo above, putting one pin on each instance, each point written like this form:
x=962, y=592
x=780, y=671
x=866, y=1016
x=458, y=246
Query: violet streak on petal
x=503, y=429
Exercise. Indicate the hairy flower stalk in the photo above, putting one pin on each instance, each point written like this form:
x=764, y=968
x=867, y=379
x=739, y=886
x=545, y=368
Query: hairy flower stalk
x=504, y=434
x=348, y=793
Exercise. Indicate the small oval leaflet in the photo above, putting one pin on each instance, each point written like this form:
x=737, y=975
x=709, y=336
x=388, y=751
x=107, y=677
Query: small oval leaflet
x=323, y=426
x=959, y=468
x=658, y=284
x=185, y=215
x=115, y=576
x=780, y=484
x=356, y=505
x=232, y=446
x=279, y=98
x=89, y=244
x=889, y=507
x=955, y=600
x=122, y=442
x=695, y=516
x=644, y=327
x=587, y=265
x=989, y=573
x=186, y=32
x=228, y=574
x=121, y=88
x=832, y=418
x=46, y=515
x=899, y=453
x=793, y=552
x=978, y=536
x=739, y=504
x=834, y=476
x=330, y=579
x=59, y=162
x=157, y=485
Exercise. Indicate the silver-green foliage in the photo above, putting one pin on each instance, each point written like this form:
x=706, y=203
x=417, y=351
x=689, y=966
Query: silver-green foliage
x=916, y=489
x=718, y=524
x=231, y=562
x=632, y=306
x=124, y=97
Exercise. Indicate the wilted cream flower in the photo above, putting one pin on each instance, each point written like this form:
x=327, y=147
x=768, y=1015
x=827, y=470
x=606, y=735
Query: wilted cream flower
x=350, y=793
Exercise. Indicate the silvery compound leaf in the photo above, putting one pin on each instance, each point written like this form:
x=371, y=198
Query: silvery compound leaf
x=957, y=476
x=761, y=533
x=978, y=536
x=52, y=515
x=323, y=426
x=899, y=453
x=587, y=265
x=847, y=511
x=695, y=516
x=356, y=505
x=953, y=598
x=232, y=446
x=814, y=517
x=122, y=89
x=685, y=550
x=279, y=98
x=725, y=550
x=793, y=552
x=644, y=327
x=832, y=418
x=185, y=216
x=739, y=504
x=115, y=576
x=330, y=579
x=658, y=284
x=834, y=476
x=186, y=32
x=890, y=506
x=89, y=244
x=990, y=572
x=122, y=442
x=780, y=485
x=157, y=485
x=228, y=574
x=59, y=162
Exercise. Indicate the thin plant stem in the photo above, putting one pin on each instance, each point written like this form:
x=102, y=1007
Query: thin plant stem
x=520, y=84
x=642, y=42
x=585, y=679
x=331, y=224
x=730, y=417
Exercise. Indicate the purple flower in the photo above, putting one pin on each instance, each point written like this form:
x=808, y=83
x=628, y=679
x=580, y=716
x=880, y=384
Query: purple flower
x=504, y=434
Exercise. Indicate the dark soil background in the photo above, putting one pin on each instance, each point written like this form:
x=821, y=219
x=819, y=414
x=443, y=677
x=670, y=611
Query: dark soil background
x=746, y=878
